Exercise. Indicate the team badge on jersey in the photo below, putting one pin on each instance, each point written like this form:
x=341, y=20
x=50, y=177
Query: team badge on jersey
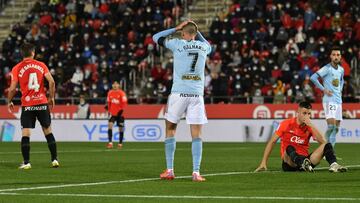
x=335, y=82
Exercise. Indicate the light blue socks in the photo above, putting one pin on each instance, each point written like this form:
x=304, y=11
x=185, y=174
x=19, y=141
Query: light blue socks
x=331, y=134
x=170, y=146
x=196, y=149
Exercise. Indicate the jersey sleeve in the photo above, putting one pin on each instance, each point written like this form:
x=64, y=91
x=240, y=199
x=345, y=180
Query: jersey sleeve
x=172, y=44
x=208, y=48
x=14, y=74
x=46, y=69
x=124, y=100
x=281, y=128
x=323, y=71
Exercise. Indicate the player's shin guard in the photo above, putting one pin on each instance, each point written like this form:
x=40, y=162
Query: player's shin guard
x=329, y=153
x=25, y=149
x=296, y=158
x=170, y=146
x=121, y=138
x=52, y=146
x=110, y=135
x=196, y=149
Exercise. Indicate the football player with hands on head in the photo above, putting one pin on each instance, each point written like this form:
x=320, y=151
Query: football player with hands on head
x=190, y=53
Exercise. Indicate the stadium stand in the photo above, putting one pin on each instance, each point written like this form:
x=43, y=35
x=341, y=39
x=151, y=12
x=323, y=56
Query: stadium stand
x=266, y=50
x=263, y=50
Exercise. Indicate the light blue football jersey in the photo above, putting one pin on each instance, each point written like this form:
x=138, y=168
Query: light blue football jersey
x=189, y=65
x=333, y=80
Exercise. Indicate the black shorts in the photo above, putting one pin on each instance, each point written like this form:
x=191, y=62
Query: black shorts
x=120, y=120
x=29, y=114
x=287, y=168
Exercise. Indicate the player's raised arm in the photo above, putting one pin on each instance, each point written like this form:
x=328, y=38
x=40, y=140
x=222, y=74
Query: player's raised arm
x=159, y=37
x=51, y=81
x=269, y=147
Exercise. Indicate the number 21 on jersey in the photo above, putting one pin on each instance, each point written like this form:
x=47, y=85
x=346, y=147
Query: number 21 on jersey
x=33, y=83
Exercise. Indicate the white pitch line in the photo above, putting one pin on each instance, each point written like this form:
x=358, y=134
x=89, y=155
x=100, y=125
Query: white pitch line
x=115, y=150
x=186, y=197
x=140, y=180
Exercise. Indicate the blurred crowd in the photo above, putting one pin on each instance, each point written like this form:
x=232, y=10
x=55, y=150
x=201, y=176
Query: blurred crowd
x=263, y=50
x=87, y=44
x=266, y=50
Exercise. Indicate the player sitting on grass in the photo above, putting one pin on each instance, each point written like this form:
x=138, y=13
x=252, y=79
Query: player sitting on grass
x=295, y=134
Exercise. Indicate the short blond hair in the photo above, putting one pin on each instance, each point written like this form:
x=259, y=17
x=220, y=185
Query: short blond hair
x=190, y=28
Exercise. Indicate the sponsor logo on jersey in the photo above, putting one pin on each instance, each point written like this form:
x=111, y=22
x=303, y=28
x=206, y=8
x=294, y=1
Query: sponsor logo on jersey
x=297, y=140
x=35, y=108
x=188, y=95
x=115, y=101
x=191, y=77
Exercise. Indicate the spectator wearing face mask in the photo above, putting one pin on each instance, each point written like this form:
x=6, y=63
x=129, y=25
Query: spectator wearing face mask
x=83, y=110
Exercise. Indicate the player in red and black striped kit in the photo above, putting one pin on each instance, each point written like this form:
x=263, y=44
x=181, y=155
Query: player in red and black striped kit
x=116, y=102
x=30, y=74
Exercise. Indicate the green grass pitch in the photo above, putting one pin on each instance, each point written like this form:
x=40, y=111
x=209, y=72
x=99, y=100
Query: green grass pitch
x=91, y=173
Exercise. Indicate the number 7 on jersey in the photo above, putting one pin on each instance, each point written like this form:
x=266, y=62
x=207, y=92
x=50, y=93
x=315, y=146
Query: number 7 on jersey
x=195, y=58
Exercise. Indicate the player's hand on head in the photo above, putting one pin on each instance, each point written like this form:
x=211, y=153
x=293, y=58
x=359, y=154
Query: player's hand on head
x=190, y=21
x=181, y=25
